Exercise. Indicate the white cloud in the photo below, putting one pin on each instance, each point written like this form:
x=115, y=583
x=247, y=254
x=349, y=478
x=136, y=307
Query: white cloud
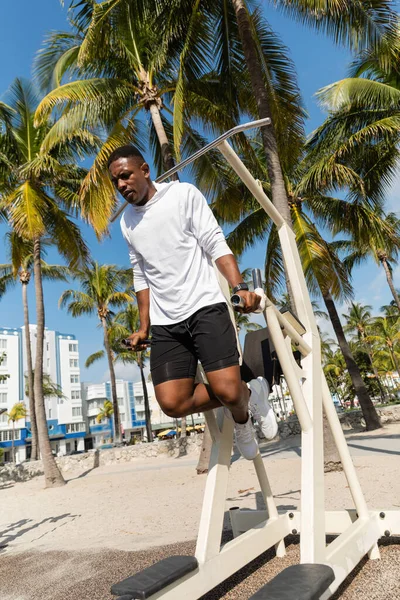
x=129, y=372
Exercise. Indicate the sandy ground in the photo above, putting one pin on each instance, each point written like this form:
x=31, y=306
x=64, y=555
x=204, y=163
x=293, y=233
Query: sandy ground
x=74, y=542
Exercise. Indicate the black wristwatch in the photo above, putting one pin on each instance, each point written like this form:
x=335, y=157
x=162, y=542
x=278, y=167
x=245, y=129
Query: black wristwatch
x=240, y=286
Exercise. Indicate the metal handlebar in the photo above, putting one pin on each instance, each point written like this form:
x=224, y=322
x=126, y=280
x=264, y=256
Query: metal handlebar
x=196, y=155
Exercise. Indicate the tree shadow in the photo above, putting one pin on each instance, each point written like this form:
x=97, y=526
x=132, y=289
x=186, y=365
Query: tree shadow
x=96, y=464
x=10, y=533
x=369, y=449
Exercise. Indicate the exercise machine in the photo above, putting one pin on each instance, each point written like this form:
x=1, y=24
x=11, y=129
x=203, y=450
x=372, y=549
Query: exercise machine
x=323, y=567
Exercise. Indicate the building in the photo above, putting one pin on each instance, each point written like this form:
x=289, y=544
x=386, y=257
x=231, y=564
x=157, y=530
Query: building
x=95, y=394
x=66, y=425
x=132, y=412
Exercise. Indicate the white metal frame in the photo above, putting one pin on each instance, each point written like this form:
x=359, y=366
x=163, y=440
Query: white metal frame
x=256, y=531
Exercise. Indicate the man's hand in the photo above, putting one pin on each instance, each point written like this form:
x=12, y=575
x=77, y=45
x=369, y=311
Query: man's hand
x=251, y=301
x=136, y=340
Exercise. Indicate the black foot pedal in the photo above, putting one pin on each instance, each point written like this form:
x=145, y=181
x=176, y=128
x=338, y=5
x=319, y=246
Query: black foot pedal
x=300, y=582
x=155, y=578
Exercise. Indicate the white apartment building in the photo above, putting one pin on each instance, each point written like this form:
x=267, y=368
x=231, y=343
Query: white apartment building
x=132, y=413
x=64, y=415
x=95, y=394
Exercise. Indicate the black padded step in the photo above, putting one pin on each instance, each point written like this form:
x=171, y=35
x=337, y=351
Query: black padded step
x=300, y=582
x=155, y=578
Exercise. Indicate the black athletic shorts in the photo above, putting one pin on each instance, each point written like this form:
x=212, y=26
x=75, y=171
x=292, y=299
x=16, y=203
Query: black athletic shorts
x=207, y=336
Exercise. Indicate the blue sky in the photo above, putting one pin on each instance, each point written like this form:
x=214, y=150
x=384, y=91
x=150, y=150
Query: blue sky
x=318, y=62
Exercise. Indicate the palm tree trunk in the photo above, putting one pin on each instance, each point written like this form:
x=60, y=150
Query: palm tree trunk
x=117, y=422
x=52, y=474
x=166, y=153
x=368, y=409
x=205, y=453
x=394, y=360
x=31, y=393
x=183, y=427
x=390, y=282
x=278, y=190
x=13, y=442
x=260, y=92
x=147, y=412
x=375, y=370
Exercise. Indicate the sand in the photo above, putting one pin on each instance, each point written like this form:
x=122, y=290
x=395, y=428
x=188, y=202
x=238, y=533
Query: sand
x=73, y=542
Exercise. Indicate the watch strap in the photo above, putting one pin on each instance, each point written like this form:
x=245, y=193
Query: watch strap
x=240, y=286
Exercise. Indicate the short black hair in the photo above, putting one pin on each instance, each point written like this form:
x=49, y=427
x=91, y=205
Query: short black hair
x=125, y=152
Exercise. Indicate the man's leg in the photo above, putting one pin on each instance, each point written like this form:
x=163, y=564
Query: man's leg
x=182, y=397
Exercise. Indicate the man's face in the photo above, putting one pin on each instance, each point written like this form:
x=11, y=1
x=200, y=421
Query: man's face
x=131, y=178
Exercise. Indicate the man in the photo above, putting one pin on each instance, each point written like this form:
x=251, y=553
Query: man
x=173, y=237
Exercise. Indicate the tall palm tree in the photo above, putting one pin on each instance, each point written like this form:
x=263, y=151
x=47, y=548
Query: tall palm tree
x=21, y=255
x=123, y=325
x=103, y=287
x=127, y=321
x=39, y=181
x=17, y=412
x=127, y=64
x=359, y=321
x=324, y=272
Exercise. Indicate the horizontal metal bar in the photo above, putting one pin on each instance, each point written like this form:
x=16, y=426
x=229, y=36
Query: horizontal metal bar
x=196, y=155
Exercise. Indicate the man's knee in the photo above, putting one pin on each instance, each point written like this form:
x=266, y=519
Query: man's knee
x=172, y=407
x=229, y=392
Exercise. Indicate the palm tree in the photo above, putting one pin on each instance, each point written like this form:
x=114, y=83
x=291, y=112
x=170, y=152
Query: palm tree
x=127, y=321
x=360, y=320
x=390, y=310
x=123, y=325
x=128, y=65
x=17, y=412
x=39, y=181
x=387, y=335
x=324, y=272
x=103, y=288
x=383, y=249
x=21, y=256
x=106, y=412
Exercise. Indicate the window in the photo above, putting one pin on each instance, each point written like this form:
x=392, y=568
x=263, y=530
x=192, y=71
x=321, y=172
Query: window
x=47, y=346
x=6, y=436
x=73, y=363
x=121, y=401
x=3, y=381
x=73, y=347
x=75, y=394
x=3, y=362
x=48, y=362
x=74, y=378
x=122, y=417
x=75, y=427
x=92, y=421
x=138, y=399
x=77, y=411
x=4, y=418
x=3, y=397
x=49, y=413
x=3, y=343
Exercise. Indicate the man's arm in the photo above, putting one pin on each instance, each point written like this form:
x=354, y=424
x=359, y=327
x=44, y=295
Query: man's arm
x=228, y=266
x=143, y=302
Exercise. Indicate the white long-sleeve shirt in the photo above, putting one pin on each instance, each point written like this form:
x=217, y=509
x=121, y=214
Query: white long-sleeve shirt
x=172, y=240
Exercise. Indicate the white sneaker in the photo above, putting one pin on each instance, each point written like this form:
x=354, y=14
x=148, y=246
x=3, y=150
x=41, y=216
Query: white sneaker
x=245, y=437
x=260, y=408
